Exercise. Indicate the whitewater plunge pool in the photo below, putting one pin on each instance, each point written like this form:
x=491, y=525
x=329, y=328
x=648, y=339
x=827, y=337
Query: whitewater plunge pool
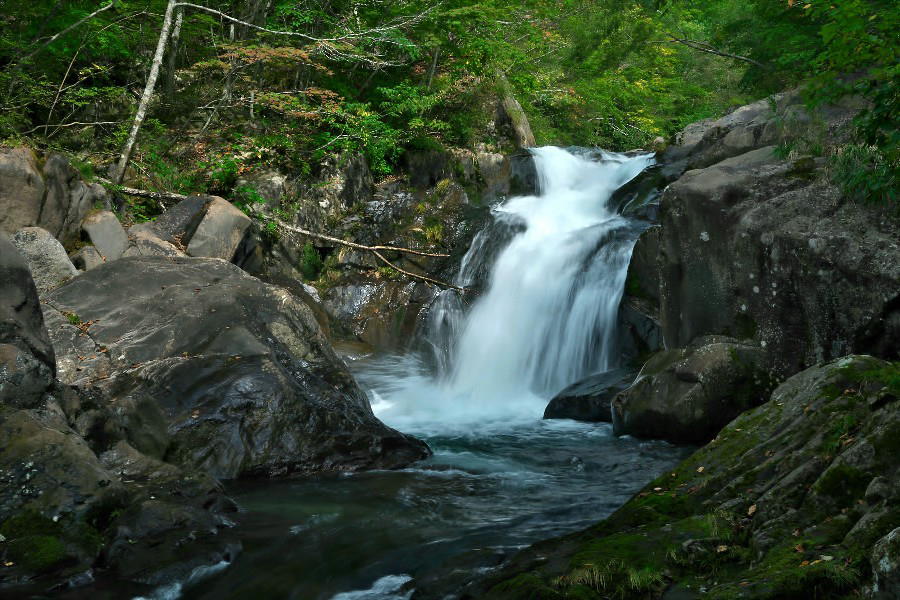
x=487, y=491
x=501, y=478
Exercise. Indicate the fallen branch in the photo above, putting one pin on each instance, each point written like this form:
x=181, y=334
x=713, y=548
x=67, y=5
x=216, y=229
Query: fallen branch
x=130, y=191
x=329, y=238
x=376, y=250
x=75, y=124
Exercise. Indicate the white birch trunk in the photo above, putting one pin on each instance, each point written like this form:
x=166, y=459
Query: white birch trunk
x=144, y=103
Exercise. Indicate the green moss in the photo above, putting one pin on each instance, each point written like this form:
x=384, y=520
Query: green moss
x=745, y=327
x=844, y=484
x=633, y=287
x=37, y=553
x=526, y=586
x=28, y=522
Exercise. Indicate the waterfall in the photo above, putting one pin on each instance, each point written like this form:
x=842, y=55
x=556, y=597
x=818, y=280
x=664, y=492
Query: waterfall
x=555, y=267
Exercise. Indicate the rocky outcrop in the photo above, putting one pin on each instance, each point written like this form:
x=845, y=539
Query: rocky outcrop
x=47, y=193
x=27, y=362
x=46, y=257
x=220, y=232
x=687, y=395
x=764, y=248
x=210, y=368
x=753, y=248
x=73, y=501
x=794, y=499
x=590, y=398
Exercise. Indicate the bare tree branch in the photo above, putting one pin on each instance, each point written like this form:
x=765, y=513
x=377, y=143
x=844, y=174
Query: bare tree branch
x=398, y=24
x=78, y=23
x=329, y=238
x=704, y=47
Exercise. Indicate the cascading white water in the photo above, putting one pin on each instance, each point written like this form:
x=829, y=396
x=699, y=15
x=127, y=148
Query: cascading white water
x=547, y=317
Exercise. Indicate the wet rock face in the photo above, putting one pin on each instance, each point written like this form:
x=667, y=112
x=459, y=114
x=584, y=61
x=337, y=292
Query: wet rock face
x=27, y=363
x=589, y=399
x=758, y=247
x=687, y=395
x=750, y=249
x=211, y=368
x=797, y=498
x=71, y=488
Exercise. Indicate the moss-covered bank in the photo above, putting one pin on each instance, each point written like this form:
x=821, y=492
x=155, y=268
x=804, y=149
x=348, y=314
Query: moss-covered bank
x=787, y=502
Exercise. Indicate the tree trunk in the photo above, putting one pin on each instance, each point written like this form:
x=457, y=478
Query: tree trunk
x=144, y=103
x=173, y=55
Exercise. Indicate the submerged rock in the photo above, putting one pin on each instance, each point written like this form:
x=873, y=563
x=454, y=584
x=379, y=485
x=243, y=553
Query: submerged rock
x=777, y=506
x=211, y=368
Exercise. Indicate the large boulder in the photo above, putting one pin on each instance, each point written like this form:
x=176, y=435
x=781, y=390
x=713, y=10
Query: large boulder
x=27, y=363
x=220, y=232
x=22, y=190
x=211, y=368
x=47, y=259
x=687, y=395
x=106, y=233
x=797, y=498
x=69, y=198
x=763, y=248
x=62, y=505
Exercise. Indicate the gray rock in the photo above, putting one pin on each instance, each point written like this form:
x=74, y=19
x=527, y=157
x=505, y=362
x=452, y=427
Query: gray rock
x=688, y=395
x=106, y=233
x=219, y=371
x=145, y=242
x=178, y=224
x=220, y=232
x=495, y=170
x=86, y=258
x=753, y=248
x=886, y=567
x=50, y=265
x=68, y=199
x=27, y=363
x=589, y=399
x=22, y=190
x=54, y=198
x=271, y=185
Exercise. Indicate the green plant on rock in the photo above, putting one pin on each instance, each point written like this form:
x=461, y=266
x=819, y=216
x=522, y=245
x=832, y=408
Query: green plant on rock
x=310, y=262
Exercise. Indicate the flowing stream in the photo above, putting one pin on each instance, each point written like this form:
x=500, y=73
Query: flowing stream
x=552, y=270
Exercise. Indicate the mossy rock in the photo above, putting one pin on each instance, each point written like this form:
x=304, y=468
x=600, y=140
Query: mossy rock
x=786, y=502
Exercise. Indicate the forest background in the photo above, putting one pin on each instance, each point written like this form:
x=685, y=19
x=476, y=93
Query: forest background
x=279, y=84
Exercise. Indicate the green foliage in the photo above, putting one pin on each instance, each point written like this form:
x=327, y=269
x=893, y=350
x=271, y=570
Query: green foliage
x=865, y=174
x=245, y=197
x=310, y=262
